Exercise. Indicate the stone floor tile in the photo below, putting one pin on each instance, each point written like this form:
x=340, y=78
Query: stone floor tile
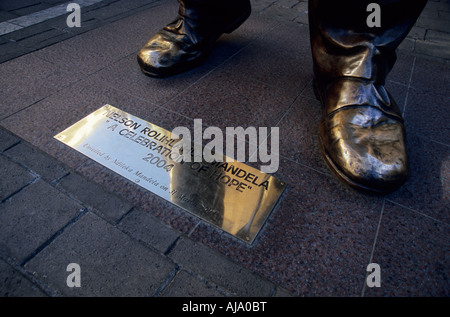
x=37, y=161
x=27, y=80
x=238, y=103
x=426, y=115
x=111, y=263
x=7, y=139
x=214, y=267
x=15, y=284
x=147, y=228
x=30, y=218
x=13, y=177
x=427, y=190
x=107, y=203
x=187, y=285
x=412, y=251
x=430, y=77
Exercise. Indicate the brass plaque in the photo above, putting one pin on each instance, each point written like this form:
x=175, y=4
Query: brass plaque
x=228, y=194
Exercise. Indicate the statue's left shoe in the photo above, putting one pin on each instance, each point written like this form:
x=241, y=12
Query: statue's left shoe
x=188, y=40
x=362, y=136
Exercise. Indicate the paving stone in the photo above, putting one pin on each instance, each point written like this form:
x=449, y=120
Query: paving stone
x=145, y=227
x=282, y=293
x=427, y=190
x=28, y=79
x=15, y=284
x=7, y=139
x=417, y=33
x=435, y=49
x=428, y=121
x=11, y=50
x=216, y=268
x=10, y=5
x=13, y=177
x=260, y=5
x=35, y=7
x=35, y=160
x=29, y=32
x=111, y=263
x=433, y=24
x=280, y=13
x=412, y=251
x=430, y=77
x=437, y=36
x=5, y=16
x=31, y=217
x=107, y=203
x=185, y=284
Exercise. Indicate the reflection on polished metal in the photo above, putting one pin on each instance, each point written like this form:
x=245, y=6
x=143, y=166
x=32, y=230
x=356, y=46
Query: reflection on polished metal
x=185, y=42
x=361, y=133
x=230, y=195
x=362, y=136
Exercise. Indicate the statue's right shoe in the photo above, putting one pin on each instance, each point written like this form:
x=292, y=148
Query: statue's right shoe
x=362, y=136
x=188, y=40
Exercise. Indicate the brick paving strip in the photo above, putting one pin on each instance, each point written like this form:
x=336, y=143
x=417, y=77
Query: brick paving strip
x=40, y=16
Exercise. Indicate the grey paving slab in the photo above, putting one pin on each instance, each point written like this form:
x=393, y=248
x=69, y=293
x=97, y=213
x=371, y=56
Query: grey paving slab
x=412, y=251
x=15, y=284
x=16, y=4
x=111, y=263
x=13, y=177
x=10, y=50
x=240, y=102
x=31, y=217
x=5, y=16
x=44, y=39
x=216, y=268
x=431, y=77
x=33, y=8
x=290, y=71
x=29, y=79
x=431, y=120
x=7, y=139
x=107, y=203
x=27, y=33
x=7, y=27
x=185, y=284
x=145, y=227
x=35, y=160
x=427, y=190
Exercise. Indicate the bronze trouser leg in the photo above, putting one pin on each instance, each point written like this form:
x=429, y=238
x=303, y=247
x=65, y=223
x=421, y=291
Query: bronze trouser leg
x=361, y=133
x=343, y=45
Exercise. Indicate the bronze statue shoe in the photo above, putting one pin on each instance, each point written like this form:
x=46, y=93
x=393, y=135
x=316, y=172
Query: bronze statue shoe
x=362, y=136
x=184, y=43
